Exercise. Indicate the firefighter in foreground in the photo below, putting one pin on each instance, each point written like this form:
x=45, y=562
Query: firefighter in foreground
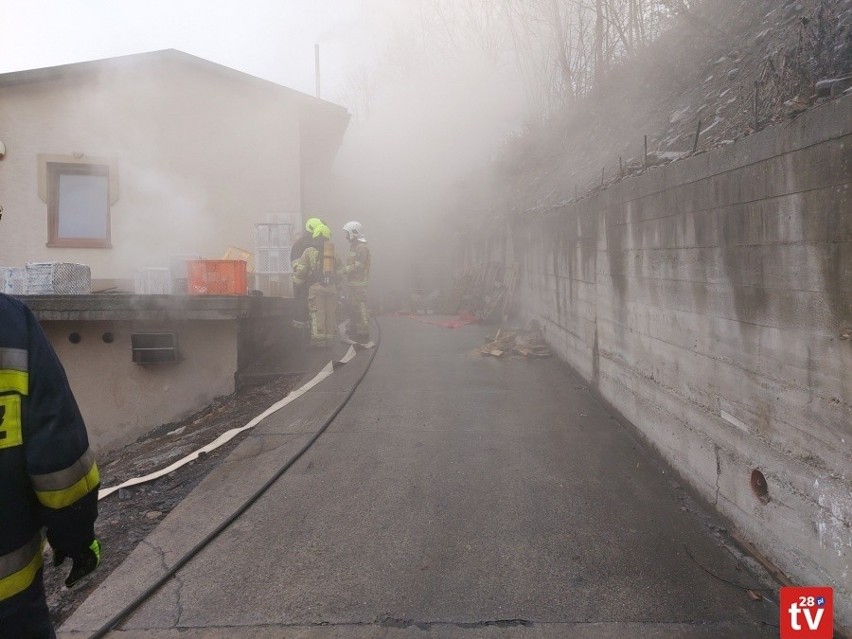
x=357, y=273
x=48, y=476
x=316, y=271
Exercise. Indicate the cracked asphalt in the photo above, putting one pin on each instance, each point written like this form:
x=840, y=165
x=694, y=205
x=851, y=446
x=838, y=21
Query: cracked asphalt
x=454, y=496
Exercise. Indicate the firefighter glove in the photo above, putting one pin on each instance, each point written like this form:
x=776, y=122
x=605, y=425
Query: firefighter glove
x=83, y=563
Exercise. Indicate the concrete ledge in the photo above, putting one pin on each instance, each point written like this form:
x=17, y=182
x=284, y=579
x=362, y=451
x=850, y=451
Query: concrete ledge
x=155, y=307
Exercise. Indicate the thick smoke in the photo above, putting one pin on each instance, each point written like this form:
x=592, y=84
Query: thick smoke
x=400, y=166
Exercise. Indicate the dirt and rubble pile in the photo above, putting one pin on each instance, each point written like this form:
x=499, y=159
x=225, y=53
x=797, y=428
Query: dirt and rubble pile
x=507, y=342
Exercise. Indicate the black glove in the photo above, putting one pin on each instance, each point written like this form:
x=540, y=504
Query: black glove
x=83, y=563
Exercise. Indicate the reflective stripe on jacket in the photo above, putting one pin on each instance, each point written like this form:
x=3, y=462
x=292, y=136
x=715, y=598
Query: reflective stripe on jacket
x=48, y=474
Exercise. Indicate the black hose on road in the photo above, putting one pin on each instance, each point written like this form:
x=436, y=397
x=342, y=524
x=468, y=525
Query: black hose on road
x=144, y=596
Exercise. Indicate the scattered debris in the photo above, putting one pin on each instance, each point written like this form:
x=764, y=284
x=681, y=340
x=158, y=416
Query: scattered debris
x=486, y=291
x=529, y=343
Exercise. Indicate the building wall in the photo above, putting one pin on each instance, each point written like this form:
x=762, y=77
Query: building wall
x=710, y=302
x=121, y=401
x=200, y=156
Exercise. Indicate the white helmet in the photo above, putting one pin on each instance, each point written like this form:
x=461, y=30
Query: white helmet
x=353, y=231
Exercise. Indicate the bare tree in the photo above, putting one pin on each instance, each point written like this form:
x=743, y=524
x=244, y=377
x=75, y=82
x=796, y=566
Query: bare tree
x=561, y=49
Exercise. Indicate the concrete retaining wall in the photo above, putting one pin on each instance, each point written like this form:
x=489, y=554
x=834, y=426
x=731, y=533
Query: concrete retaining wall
x=710, y=302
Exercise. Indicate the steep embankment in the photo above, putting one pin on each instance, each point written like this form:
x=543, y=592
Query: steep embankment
x=731, y=65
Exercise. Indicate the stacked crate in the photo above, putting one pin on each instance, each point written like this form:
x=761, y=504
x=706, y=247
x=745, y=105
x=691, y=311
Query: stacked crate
x=13, y=280
x=58, y=278
x=152, y=280
x=273, y=273
x=216, y=277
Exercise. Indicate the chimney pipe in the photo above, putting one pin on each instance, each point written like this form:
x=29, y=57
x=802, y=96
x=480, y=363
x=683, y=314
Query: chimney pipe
x=317, y=67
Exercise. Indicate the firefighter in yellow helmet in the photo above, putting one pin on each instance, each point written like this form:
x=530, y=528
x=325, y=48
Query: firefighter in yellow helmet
x=48, y=476
x=315, y=272
x=315, y=235
x=357, y=274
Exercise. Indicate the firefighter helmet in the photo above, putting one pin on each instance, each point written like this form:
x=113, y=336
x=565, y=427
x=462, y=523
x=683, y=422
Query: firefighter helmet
x=354, y=232
x=311, y=224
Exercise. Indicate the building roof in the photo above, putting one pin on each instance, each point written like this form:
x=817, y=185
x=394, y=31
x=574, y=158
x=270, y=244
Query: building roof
x=322, y=122
x=163, y=56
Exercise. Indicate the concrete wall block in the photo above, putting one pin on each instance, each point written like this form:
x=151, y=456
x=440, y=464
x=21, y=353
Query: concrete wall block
x=567, y=345
x=797, y=359
x=824, y=311
x=663, y=424
x=803, y=522
x=782, y=426
x=762, y=403
x=774, y=178
x=801, y=216
x=778, y=266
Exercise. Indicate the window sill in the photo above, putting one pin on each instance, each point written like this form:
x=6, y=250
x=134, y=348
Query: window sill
x=79, y=244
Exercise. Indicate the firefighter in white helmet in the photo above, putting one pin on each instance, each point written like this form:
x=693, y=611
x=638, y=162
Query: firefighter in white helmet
x=357, y=274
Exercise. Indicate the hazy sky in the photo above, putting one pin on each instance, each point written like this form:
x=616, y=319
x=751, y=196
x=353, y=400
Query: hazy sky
x=272, y=39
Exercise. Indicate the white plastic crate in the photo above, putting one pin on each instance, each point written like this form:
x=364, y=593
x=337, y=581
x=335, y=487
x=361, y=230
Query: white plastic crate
x=273, y=260
x=272, y=235
x=153, y=281
x=13, y=280
x=274, y=284
x=58, y=278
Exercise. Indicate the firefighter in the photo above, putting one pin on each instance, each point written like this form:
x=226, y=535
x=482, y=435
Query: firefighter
x=315, y=235
x=316, y=272
x=48, y=476
x=357, y=273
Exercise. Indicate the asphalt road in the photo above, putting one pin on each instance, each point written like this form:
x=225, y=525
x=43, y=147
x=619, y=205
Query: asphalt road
x=454, y=496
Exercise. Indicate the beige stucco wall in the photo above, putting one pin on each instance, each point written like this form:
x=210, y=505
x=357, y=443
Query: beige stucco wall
x=120, y=400
x=201, y=157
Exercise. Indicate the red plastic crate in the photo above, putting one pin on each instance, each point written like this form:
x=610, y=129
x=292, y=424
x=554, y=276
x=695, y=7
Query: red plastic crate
x=216, y=277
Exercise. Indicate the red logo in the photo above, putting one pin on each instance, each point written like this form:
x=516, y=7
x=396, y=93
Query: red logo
x=807, y=613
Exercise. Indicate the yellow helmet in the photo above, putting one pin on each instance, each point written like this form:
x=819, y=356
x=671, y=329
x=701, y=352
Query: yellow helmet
x=322, y=230
x=312, y=224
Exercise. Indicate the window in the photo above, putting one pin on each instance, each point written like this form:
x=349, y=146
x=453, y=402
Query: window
x=78, y=205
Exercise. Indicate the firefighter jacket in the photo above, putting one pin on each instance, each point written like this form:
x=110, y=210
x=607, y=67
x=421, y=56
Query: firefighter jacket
x=307, y=270
x=357, y=269
x=48, y=475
